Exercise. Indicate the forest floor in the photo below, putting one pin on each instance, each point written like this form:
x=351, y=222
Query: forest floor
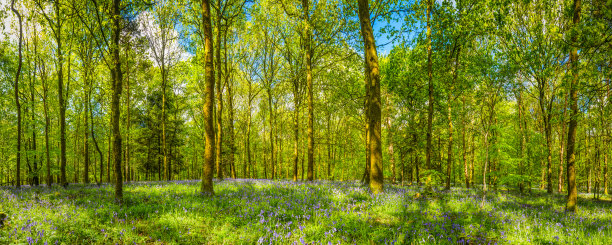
x=284, y=212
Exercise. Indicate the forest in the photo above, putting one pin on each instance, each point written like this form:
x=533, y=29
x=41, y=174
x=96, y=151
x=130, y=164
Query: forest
x=305, y=122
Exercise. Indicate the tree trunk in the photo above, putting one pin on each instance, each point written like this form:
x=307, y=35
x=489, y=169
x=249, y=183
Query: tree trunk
x=108, y=155
x=117, y=86
x=415, y=143
x=486, y=163
x=219, y=114
x=522, y=138
x=430, y=88
x=35, y=178
x=18, y=106
x=376, y=168
x=548, y=132
x=127, y=125
x=296, y=128
x=209, y=151
x=366, y=116
x=605, y=170
x=62, y=102
x=464, y=155
x=308, y=58
x=248, y=133
x=271, y=132
x=562, y=146
x=47, y=123
x=93, y=137
x=230, y=110
x=572, y=193
x=86, y=144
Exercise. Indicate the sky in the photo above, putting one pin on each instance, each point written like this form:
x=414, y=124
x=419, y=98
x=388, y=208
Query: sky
x=384, y=44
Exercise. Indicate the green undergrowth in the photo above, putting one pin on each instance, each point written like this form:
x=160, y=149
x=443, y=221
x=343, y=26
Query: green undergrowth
x=284, y=212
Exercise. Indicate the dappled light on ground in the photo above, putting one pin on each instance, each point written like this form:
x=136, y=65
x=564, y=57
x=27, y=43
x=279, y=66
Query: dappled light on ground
x=284, y=212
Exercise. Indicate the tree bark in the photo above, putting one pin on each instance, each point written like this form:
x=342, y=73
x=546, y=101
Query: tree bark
x=47, y=123
x=117, y=86
x=271, y=132
x=562, y=146
x=86, y=143
x=463, y=139
x=376, y=168
x=93, y=137
x=522, y=140
x=219, y=88
x=308, y=58
x=35, y=177
x=296, y=128
x=430, y=88
x=16, y=88
x=248, y=133
x=62, y=102
x=230, y=110
x=572, y=193
x=209, y=150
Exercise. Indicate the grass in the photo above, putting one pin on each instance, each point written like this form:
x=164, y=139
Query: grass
x=283, y=212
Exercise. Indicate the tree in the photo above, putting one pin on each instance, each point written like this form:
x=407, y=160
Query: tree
x=117, y=86
x=374, y=100
x=207, y=173
x=430, y=103
x=308, y=57
x=16, y=88
x=572, y=193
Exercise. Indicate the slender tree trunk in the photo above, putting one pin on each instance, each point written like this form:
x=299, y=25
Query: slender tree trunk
x=62, y=101
x=76, y=147
x=430, y=88
x=230, y=110
x=572, y=193
x=248, y=133
x=93, y=137
x=415, y=143
x=486, y=163
x=35, y=178
x=108, y=154
x=522, y=138
x=562, y=146
x=18, y=106
x=308, y=58
x=271, y=132
x=296, y=128
x=549, y=186
x=366, y=116
x=117, y=86
x=605, y=170
x=219, y=88
x=463, y=139
x=376, y=168
x=86, y=143
x=128, y=123
x=47, y=123
x=209, y=151
x=163, y=119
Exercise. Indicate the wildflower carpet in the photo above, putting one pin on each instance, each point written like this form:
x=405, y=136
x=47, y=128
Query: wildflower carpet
x=285, y=212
